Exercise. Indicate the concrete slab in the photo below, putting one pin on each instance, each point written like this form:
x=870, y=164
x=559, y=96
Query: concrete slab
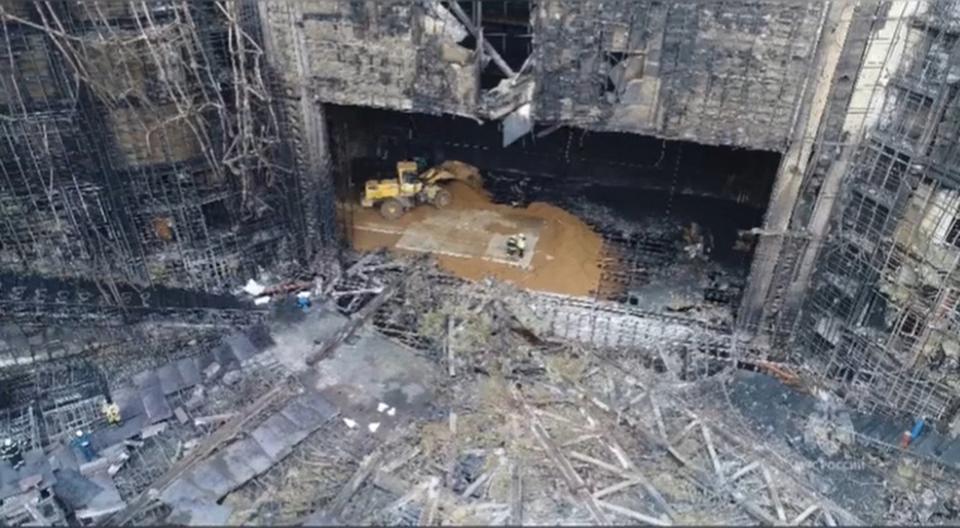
x=239, y=472
x=470, y=233
x=951, y=453
x=240, y=346
x=62, y=457
x=302, y=416
x=293, y=343
x=224, y=356
x=183, y=489
x=9, y=480
x=204, y=360
x=199, y=513
x=35, y=466
x=927, y=445
x=108, y=436
x=74, y=489
x=360, y=376
x=889, y=433
x=211, y=479
x=155, y=403
x=129, y=401
x=105, y=502
x=146, y=378
x=276, y=436
x=189, y=372
x=318, y=403
x=869, y=424
x=170, y=380
x=248, y=452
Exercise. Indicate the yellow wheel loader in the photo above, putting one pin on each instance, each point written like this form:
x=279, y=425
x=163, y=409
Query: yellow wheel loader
x=411, y=188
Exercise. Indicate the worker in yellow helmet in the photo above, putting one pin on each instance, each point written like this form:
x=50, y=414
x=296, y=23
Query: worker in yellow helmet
x=112, y=413
x=517, y=245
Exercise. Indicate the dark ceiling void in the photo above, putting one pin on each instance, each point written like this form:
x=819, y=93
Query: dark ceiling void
x=565, y=157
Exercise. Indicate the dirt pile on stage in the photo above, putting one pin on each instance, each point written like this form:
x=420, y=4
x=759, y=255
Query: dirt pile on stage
x=566, y=254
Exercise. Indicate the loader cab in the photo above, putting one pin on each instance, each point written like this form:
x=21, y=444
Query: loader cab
x=407, y=176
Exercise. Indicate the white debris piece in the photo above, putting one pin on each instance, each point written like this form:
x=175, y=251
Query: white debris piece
x=261, y=300
x=373, y=427
x=254, y=288
x=392, y=411
x=304, y=295
x=382, y=407
x=350, y=423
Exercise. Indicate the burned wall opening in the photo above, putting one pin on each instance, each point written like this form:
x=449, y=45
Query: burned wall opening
x=674, y=217
x=506, y=27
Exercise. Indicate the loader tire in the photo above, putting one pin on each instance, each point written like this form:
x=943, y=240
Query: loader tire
x=391, y=209
x=442, y=199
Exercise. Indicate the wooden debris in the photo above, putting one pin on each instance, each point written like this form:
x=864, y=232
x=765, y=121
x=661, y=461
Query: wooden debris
x=367, y=467
x=712, y=451
x=212, y=419
x=451, y=357
x=451, y=462
x=686, y=430
x=661, y=428
x=516, y=495
x=429, y=514
x=804, y=514
x=574, y=481
x=626, y=512
x=828, y=517
x=622, y=485
x=774, y=496
x=744, y=470
x=475, y=485
x=401, y=460
x=599, y=463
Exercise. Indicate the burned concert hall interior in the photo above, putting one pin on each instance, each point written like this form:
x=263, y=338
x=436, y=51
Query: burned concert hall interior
x=479, y=262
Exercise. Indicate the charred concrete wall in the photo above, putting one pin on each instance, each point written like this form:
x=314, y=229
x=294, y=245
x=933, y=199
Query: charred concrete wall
x=388, y=54
x=728, y=73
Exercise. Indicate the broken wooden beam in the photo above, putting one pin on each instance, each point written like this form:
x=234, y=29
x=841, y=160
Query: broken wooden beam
x=804, y=514
x=212, y=419
x=774, y=496
x=448, y=342
x=596, y=462
x=401, y=460
x=712, y=451
x=429, y=514
x=367, y=467
x=620, y=486
x=744, y=470
x=516, y=495
x=633, y=514
x=475, y=485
